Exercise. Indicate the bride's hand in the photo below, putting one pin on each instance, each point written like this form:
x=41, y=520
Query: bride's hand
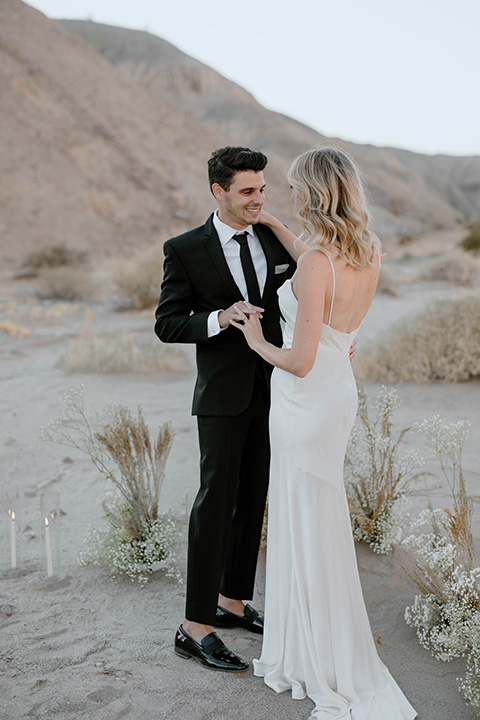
x=251, y=328
x=269, y=220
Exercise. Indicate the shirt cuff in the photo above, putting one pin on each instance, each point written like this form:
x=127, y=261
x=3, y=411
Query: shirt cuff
x=213, y=326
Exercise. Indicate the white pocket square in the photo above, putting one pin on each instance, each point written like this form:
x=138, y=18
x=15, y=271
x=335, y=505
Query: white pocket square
x=281, y=268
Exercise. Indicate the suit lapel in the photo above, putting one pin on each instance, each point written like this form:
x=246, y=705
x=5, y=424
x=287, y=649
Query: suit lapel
x=214, y=247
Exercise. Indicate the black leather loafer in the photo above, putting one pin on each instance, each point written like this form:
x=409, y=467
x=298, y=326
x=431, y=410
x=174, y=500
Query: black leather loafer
x=250, y=620
x=211, y=652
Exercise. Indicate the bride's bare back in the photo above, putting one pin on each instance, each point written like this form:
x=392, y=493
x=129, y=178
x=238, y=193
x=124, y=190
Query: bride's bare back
x=351, y=289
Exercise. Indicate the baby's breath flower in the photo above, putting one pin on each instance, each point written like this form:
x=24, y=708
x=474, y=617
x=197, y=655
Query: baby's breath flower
x=446, y=612
x=377, y=474
x=137, y=539
x=134, y=558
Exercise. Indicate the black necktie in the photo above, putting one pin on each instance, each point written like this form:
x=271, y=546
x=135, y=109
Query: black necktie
x=248, y=269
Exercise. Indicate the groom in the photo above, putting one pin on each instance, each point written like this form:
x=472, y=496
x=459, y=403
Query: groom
x=212, y=275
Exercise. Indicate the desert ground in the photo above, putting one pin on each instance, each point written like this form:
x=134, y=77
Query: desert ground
x=79, y=644
x=104, y=137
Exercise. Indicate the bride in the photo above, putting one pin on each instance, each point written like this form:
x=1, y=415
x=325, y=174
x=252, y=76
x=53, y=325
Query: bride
x=317, y=637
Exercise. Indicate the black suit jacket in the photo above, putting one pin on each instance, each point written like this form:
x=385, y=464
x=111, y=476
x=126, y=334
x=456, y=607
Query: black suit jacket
x=197, y=281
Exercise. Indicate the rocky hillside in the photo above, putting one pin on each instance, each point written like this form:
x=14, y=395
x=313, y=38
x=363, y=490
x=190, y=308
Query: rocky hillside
x=411, y=192
x=104, y=140
x=89, y=157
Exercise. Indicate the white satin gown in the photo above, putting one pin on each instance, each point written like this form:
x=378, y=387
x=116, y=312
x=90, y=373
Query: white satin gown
x=317, y=640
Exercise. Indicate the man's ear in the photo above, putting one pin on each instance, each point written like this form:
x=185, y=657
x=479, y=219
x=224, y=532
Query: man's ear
x=217, y=191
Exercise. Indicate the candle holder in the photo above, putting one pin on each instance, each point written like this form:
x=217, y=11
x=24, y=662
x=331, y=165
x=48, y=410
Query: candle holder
x=50, y=546
x=11, y=548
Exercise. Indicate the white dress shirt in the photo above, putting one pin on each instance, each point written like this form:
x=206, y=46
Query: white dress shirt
x=231, y=250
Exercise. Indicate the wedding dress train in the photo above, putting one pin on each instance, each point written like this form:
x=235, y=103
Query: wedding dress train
x=317, y=638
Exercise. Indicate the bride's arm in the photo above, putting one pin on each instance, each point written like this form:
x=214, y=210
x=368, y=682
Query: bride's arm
x=290, y=242
x=312, y=274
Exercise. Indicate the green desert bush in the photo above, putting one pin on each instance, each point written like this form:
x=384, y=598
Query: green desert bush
x=455, y=267
x=51, y=256
x=124, y=351
x=442, y=342
x=65, y=283
x=138, y=280
x=471, y=241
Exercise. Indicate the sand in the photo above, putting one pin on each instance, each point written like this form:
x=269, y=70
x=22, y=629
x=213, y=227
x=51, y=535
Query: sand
x=80, y=645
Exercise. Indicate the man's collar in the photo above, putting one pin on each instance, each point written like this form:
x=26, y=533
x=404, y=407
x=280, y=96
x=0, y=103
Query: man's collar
x=225, y=232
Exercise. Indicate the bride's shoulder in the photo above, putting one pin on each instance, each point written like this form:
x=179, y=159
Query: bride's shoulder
x=314, y=259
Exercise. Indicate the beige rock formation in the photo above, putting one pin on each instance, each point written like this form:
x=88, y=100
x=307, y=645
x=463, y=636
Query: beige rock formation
x=411, y=192
x=104, y=143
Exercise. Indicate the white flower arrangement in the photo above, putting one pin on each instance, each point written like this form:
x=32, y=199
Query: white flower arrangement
x=446, y=612
x=137, y=539
x=135, y=558
x=378, y=476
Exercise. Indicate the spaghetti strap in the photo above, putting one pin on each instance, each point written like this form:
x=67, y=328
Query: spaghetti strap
x=333, y=289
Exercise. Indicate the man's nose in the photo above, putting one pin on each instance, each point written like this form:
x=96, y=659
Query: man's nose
x=260, y=198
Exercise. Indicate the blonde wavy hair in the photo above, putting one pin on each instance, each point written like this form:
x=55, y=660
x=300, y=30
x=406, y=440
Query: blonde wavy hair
x=331, y=205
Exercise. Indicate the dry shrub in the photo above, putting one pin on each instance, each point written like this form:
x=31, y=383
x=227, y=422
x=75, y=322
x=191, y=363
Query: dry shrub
x=14, y=330
x=446, y=612
x=406, y=239
x=456, y=267
x=378, y=475
x=387, y=283
x=471, y=241
x=138, y=279
x=125, y=351
x=137, y=540
x=440, y=343
x=50, y=256
x=65, y=283
x=59, y=312
x=141, y=463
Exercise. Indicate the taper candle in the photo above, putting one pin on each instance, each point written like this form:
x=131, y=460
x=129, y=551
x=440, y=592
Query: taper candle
x=13, y=541
x=48, y=548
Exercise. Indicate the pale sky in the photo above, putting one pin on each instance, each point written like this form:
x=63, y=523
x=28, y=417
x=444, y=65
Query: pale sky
x=404, y=73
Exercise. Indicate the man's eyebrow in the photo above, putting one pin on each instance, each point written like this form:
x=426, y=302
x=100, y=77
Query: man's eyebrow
x=252, y=188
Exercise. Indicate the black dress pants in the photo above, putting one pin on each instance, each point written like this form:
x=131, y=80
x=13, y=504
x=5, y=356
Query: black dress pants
x=227, y=515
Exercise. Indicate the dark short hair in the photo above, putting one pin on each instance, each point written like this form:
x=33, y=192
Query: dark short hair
x=225, y=162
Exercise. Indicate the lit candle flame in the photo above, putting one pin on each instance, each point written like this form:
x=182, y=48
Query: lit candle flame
x=46, y=522
x=13, y=515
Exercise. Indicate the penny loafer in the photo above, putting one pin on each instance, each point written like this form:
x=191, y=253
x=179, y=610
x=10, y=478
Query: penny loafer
x=210, y=652
x=250, y=620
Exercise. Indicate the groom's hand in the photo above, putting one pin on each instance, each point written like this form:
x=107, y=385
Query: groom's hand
x=237, y=312
x=351, y=354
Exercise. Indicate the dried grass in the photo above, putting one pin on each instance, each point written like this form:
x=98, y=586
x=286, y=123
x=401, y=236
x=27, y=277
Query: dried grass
x=141, y=464
x=14, y=330
x=137, y=540
x=126, y=351
x=50, y=256
x=458, y=524
x=440, y=343
x=455, y=267
x=377, y=476
x=138, y=279
x=30, y=311
x=65, y=283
